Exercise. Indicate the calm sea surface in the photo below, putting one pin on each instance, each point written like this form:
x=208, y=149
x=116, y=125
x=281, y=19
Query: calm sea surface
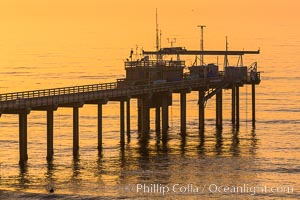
x=193, y=167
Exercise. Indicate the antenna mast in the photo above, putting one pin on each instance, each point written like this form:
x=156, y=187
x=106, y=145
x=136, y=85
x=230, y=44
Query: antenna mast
x=226, y=58
x=201, y=44
x=157, y=34
x=171, y=41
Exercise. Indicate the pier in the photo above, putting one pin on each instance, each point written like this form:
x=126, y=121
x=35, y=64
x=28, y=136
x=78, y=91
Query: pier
x=153, y=90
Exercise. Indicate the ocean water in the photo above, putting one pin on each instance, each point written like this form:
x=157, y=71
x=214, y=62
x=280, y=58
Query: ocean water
x=245, y=163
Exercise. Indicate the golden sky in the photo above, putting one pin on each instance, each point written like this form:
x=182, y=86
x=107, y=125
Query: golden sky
x=134, y=20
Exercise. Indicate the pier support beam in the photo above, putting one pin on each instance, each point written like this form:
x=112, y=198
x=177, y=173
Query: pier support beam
x=122, y=123
x=139, y=112
x=183, y=112
x=99, y=127
x=128, y=118
x=233, y=105
x=253, y=104
x=165, y=117
x=157, y=119
x=237, y=103
x=23, y=137
x=201, y=111
x=50, y=117
x=75, y=131
x=145, y=115
x=219, y=110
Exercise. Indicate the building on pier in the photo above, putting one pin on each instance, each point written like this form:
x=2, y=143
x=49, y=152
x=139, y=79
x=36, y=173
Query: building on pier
x=146, y=71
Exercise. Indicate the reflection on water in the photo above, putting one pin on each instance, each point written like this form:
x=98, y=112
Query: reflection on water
x=49, y=176
x=150, y=161
x=201, y=147
x=219, y=142
x=235, y=143
x=24, y=180
x=253, y=142
x=183, y=144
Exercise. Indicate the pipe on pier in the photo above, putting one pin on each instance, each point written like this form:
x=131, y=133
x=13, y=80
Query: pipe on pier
x=50, y=117
x=23, y=137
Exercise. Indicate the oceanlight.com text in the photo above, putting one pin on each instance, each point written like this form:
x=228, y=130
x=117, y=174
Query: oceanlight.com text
x=164, y=189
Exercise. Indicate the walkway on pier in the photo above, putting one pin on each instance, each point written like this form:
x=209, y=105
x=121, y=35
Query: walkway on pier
x=13, y=103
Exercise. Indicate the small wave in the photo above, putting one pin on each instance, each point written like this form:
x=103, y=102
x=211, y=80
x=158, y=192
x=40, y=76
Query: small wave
x=89, y=77
x=279, y=170
x=288, y=78
x=9, y=141
x=23, y=195
x=281, y=121
x=22, y=67
x=15, y=73
x=283, y=110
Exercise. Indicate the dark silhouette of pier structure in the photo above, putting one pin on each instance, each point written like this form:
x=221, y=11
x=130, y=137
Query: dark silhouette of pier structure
x=152, y=83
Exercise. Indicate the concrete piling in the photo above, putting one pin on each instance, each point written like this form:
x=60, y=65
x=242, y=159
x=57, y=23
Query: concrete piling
x=183, y=112
x=233, y=104
x=122, y=123
x=165, y=115
x=253, y=104
x=237, y=103
x=219, y=110
x=50, y=117
x=99, y=127
x=23, y=137
x=128, y=118
x=75, y=131
x=157, y=119
x=201, y=111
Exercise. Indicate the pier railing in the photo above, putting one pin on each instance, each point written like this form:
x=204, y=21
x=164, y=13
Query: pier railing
x=151, y=63
x=11, y=102
x=57, y=91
